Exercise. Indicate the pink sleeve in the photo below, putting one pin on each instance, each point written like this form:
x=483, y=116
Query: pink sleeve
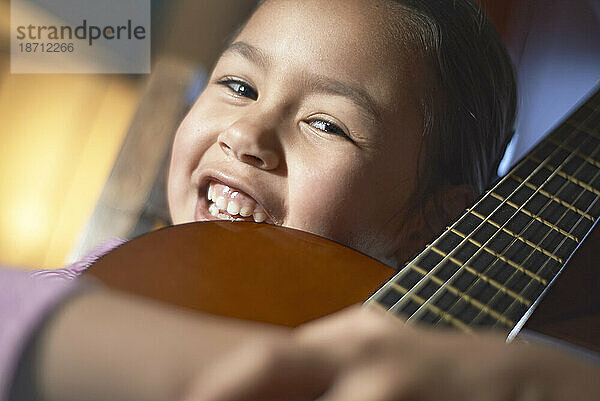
x=26, y=298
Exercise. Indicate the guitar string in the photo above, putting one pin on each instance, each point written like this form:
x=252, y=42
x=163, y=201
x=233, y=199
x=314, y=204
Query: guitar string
x=434, y=297
x=421, y=310
x=590, y=135
x=417, y=286
x=516, y=237
x=540, y=270
x=375, y=297
x=589, y=208
x=556, y=248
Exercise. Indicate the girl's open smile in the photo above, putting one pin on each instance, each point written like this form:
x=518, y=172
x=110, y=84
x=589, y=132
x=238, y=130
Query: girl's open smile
x=221, y=201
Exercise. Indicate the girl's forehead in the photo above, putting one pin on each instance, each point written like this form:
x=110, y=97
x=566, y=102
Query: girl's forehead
x=349, y=22
x=349, y=40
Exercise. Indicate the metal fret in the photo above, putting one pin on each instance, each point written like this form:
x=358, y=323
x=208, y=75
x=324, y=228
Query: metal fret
x=464, y=296
x=401, y=305
x=524, y=240
x=483, y=277
x=554, y=198
x=442, y=314
x=588, y=159
x=571, y=179
x=535, y=217
x=577, y=125
x=504, y=259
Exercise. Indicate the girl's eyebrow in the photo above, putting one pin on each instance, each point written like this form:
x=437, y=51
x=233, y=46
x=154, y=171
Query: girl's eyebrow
x=357, y=95
x=252, y=53
x=320, y=83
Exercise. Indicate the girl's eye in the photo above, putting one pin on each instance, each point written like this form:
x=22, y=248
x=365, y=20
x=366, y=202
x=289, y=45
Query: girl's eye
x=327, y=127
x=240, y=87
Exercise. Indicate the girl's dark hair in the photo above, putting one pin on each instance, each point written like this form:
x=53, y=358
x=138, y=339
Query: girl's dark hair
x=470, y=105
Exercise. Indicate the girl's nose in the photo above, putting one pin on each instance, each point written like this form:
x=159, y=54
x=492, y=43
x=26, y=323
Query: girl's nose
x=251, y=143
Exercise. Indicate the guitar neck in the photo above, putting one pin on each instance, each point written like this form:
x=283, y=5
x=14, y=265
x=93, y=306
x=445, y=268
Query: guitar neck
x=494, y=264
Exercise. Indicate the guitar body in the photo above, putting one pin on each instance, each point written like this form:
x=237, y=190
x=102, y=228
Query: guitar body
x=288, y=277
x=243, y=270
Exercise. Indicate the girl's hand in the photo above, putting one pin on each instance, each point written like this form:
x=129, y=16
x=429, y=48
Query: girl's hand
x=364, y=355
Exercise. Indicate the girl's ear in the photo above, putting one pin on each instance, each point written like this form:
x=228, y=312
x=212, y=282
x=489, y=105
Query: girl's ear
x=428, y=220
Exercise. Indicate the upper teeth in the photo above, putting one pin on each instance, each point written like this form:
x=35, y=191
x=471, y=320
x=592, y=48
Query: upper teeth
x=232, y=207
x=221, y=203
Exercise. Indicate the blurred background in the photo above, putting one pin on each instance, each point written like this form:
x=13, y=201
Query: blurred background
x=83, y=157
x=61, y=135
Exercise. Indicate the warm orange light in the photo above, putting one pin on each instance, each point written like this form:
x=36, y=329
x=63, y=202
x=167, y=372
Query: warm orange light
x=59, y=136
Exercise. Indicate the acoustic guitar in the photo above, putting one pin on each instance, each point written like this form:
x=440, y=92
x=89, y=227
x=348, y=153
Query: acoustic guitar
x=490, y=268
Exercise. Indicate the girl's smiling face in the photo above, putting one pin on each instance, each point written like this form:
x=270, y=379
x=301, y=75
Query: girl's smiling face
x=311, y=115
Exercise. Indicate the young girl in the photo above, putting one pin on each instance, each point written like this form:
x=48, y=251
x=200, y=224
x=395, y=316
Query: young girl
x=350, y=119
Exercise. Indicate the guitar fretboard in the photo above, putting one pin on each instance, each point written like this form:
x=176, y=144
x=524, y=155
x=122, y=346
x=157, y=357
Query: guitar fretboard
x=493, y=265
